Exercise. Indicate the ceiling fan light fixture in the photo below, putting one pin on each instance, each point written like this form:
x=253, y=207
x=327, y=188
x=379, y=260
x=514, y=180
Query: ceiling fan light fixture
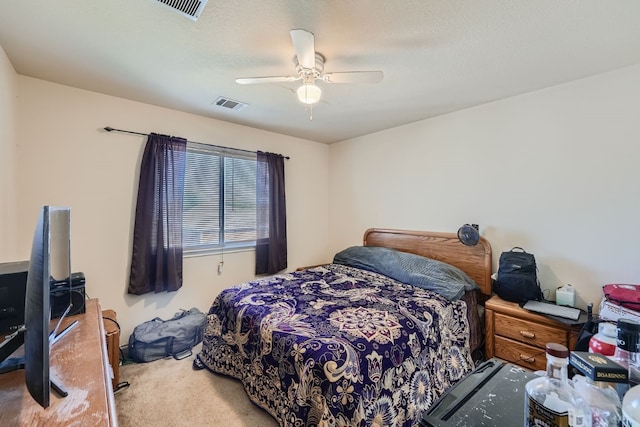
x=308, y=93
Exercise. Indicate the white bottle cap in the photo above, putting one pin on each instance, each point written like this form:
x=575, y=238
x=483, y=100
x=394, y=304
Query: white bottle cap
x=608, y=329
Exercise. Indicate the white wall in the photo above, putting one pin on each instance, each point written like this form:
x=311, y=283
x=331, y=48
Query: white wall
x=65, y=159
x=555, y=171
x=8, y=156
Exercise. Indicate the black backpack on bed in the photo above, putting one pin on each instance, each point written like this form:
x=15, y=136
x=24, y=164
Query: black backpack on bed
x=517, y=277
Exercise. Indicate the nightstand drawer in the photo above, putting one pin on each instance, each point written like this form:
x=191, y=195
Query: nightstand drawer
x=521, y=354
x=528, y=332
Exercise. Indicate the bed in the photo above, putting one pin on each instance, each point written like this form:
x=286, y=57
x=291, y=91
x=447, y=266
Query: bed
x=343, y=345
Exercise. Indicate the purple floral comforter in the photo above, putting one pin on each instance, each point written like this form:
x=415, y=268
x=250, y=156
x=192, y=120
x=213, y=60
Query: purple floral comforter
x=338, y=346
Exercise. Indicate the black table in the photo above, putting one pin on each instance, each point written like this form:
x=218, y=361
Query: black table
x=492, y=396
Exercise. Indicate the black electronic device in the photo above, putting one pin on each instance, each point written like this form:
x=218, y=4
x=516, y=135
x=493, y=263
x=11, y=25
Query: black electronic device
x=77, y=279
x=550, y=309
x=49, y=263
x=63, y=297
x=182, y=354
x=469, y=234
x=13, y=285
x=65, y=293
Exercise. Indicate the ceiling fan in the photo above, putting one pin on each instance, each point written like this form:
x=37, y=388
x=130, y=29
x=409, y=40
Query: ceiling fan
x=309, y=69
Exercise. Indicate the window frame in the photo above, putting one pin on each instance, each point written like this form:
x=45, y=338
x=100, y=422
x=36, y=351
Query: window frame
x=217, y=248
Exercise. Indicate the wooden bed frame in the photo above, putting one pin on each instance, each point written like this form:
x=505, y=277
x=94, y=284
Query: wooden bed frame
x=473, y=260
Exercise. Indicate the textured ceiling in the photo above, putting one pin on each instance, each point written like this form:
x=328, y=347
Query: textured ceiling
x=437, y=56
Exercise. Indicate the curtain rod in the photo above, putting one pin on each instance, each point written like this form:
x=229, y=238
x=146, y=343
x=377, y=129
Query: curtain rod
x=110, y=129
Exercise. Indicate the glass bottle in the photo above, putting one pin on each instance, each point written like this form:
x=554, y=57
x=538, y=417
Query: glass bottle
x=550, y=400
x=631, y=408
x=633, y=348
x=602, y=399
x=627, y=352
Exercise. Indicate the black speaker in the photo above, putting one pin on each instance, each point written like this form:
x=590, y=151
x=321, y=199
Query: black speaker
x=62, y=296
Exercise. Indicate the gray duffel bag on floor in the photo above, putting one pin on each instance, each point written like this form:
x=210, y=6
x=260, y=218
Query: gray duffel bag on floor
x=157, y=338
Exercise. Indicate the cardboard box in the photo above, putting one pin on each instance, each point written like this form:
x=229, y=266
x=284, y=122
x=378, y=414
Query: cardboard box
x=598, y=367
x=612, y=312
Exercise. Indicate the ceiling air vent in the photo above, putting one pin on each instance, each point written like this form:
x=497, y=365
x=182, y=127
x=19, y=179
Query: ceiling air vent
x=229, y=103
x=189, y=8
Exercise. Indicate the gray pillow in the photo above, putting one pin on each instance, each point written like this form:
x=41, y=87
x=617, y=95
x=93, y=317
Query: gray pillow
x=426, y=273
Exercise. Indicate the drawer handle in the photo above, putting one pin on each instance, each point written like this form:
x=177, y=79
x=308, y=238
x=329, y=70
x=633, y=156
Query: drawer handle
x=527, y=358
x=527, y=334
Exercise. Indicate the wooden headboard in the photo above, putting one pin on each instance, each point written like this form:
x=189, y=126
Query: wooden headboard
x=445, y=247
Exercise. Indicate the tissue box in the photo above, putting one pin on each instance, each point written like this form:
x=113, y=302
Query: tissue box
x=612, y=312
x=566, y=295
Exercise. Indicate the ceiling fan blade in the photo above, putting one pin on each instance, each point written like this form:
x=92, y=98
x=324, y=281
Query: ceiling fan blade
x=260, y=80
x=304, y=45
x=354, y=77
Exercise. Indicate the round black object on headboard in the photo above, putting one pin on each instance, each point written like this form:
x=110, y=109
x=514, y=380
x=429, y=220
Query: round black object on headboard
x=469, y=234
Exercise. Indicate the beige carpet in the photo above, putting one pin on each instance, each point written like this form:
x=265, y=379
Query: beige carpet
x=169, y=392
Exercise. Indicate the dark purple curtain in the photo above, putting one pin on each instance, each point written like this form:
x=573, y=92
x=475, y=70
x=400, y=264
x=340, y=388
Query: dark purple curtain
x=156, y=262
x=271, y=242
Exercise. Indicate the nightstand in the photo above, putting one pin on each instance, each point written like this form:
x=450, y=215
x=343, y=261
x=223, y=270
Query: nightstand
x=520, y=336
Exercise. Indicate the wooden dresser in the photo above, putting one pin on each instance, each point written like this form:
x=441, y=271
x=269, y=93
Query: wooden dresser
x=520, y=336
x=79, y=362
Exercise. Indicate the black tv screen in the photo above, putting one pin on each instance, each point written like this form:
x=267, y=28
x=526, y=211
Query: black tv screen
x=50, y=262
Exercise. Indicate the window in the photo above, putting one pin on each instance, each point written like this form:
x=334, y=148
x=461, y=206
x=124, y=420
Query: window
x=219, y=199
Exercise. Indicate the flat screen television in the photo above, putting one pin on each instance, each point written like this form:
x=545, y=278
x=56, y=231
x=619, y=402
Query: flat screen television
x=50, y=263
